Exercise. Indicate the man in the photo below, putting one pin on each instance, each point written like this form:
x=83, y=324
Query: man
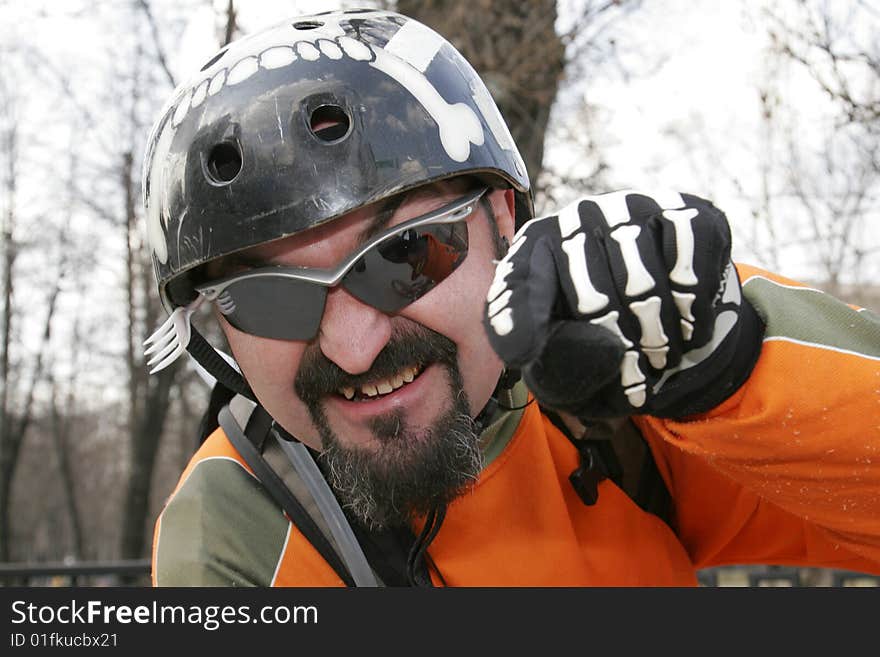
x=433, y=387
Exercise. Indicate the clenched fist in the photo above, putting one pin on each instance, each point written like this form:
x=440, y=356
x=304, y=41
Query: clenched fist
x=625, y=303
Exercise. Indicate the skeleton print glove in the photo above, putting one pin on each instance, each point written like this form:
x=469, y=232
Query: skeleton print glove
x=625, y=304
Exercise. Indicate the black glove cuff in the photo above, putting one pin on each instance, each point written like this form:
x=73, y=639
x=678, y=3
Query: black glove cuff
x=693, y=393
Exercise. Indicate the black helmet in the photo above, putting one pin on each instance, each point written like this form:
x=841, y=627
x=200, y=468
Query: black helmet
x=305, y=121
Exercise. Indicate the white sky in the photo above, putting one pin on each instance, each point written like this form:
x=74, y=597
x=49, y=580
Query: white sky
x=695, y=65
x=708, y=67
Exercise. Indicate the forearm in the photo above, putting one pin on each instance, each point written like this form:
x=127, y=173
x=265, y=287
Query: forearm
x=803, y=432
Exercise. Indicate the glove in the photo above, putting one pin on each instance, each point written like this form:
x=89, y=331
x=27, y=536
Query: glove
x=625, y=304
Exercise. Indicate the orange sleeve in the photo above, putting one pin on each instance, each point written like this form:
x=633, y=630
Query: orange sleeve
x=788, y=468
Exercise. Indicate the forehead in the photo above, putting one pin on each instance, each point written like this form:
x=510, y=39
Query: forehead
x=348, y=229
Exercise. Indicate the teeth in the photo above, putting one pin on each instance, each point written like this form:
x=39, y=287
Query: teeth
x=382, y=387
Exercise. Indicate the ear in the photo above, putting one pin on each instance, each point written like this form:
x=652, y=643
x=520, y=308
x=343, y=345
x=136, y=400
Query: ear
x=503, y=206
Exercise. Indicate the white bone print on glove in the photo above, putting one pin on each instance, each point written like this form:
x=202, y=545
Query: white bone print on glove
x=639, y=285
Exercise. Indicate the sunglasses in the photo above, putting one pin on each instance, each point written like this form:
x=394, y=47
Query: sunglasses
x=392, y=270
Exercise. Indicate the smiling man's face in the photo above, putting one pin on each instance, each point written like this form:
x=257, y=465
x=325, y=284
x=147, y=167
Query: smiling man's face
x=387, y=398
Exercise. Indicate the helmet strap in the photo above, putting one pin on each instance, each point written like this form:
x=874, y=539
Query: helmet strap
x=223, y=372
x=508, y=379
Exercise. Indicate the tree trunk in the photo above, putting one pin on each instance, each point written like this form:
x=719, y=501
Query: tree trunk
x=8, y=447
x=60, y=435
x=514, y=47
x=144, y=444
x=231, y=24
x=15, y=431
x=148, y=398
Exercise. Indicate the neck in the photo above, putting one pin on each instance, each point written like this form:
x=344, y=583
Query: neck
x=500, y=417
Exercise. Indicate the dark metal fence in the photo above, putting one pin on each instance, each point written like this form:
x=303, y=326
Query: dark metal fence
x=783, y=576
x=137, y=573
x=134, y=572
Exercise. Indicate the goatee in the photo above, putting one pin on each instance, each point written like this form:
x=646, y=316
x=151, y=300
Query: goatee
x=412, y=470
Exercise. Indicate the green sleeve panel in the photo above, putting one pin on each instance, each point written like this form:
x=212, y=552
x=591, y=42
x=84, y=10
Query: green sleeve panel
x=220, y=529
x=812, y=317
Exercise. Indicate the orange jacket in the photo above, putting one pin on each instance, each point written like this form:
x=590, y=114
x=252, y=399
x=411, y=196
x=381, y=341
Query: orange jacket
x=786, y=471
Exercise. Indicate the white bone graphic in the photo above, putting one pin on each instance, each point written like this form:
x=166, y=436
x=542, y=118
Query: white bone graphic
x=458, y=124
x=656, y=356
x=330, y=49
x=500, y=303
x=630, y=374
x=501, y=316
x=636, y=395
x=687, y=330
x=684, y=301
x=217, y=82
x=242, y=70
x=355, y=49
x=569, y=219
x=653, y=340
x=415, y=44
x=609, y=322
x=157, y=217
x=200, y=93
x=181, y=110
x=614, y=208
x=405, y=58
x=590, y=300
x=648, y=314
x=502, y=323
x=638, y=280
x=277, y=57
x=683, y=271
x=499, y=282
x=308, y=51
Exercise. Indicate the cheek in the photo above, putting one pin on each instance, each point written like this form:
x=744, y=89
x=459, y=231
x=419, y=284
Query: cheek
x=270, y=366
x=455, y=309
x=264, y=361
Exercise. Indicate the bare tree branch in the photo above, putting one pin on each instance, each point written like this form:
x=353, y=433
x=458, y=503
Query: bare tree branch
x=160, y=51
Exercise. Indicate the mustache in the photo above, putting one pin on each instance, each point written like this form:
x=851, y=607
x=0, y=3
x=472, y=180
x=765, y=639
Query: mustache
x=409, y=345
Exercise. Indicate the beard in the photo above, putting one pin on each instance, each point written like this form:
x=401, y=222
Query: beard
x=411, y=470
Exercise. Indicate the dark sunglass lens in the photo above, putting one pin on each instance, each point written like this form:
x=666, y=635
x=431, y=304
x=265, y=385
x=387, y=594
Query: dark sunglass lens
x=408, y=265
x=274, y=307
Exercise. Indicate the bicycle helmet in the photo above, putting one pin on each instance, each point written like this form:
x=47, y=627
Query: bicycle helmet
x=305, y=121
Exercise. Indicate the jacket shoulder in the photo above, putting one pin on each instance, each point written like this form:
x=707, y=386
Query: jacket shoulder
x=219, y=527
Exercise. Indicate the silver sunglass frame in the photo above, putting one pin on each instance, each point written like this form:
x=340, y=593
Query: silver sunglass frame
x=457, y=210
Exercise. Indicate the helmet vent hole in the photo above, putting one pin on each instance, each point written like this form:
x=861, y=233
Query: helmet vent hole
x=329, y=123
x=224, y=163
x=307, y=25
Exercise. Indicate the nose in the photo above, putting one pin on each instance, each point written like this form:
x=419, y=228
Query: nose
x=352, y=333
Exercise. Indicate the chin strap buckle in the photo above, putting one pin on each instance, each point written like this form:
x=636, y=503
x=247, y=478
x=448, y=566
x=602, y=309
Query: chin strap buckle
x=598, y=461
